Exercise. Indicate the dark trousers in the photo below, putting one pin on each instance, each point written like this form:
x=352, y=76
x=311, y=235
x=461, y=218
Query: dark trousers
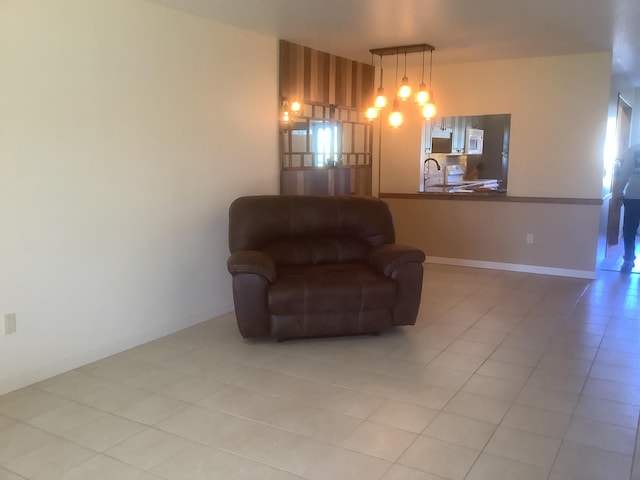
x=630, y=227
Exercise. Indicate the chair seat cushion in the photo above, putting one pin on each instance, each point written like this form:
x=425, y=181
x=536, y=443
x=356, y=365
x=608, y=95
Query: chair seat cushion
x=349, y=287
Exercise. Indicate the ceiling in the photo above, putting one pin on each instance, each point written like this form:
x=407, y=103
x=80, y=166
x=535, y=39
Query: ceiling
x=460, y=30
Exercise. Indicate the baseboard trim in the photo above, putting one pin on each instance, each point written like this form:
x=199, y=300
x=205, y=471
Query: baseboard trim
x=514, y=267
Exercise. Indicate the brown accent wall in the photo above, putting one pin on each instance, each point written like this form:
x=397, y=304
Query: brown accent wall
x=313, y=76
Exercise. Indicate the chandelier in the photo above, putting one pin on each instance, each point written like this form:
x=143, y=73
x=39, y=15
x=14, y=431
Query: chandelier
x=423, y=96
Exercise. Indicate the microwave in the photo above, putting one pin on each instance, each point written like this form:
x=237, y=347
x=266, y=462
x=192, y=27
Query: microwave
x=474, y=141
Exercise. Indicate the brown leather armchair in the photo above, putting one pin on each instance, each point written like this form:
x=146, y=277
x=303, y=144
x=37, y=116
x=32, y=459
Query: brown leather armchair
x=310, y=266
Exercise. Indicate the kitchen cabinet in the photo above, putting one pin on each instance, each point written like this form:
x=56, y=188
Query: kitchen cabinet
x=458, y=134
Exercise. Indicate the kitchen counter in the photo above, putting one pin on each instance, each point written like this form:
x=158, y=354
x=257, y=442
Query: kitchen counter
x=442, y=193
x=447, y=190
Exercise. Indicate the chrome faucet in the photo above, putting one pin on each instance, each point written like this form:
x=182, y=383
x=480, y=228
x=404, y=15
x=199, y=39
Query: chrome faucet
x=426, y=175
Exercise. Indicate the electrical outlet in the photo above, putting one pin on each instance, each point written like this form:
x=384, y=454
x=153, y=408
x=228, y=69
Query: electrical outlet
x=9, y=323
x=530, y=238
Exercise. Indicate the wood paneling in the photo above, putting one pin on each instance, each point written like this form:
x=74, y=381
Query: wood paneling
x=337, y=89
x=312, y=76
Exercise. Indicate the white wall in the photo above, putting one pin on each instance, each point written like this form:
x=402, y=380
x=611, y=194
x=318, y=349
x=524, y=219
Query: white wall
x=558, y=108
x=126, y=129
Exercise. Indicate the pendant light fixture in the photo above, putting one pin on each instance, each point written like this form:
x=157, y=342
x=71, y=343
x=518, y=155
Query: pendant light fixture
x=423, y=96
x=381, y=99
x=395, y=118
x=372, y=112
x=405, y=89
x=429, y=109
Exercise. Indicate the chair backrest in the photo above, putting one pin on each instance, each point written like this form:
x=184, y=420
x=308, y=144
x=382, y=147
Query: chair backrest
x=305, y=229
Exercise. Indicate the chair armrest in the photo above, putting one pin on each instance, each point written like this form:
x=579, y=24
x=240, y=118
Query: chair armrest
x=386, y=258
x=252, y=261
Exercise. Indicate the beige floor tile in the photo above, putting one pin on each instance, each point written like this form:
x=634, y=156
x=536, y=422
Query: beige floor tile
x=499, y=361
x=101, y=467
x=407, y=416
x=420, y=353
x=148, y=448
x=443, y=376
x=602, y=435
x=30, y=402
x=572, y=350
x=334, y=398
x=155, y=353
x=464, y=431
x=557, y=380
x=547, y=399
x=19, y=439
x=439, y=458
x=535, y=420
x=615, y=373
x=317, y=423
x=118, y=368
x=151, y=409
x=191, y=389
x=7, y=475
x=523, y=447
x=285, y=450
x=368, y=382
x=478, y=407
x=400, y=472
x=155, y=378
x=65, y=418
x=458, y=361
x=381, y=441
x=581, y=462
x=6, y=422
x=252, y=378
x=199, y=462
x=600, y=410
x=491, y=467
x=493, y=387
x=617, y=357
x=347, y=465
x=472, y=348
x=512, y=372
x=50, y=460
x=613, y=391
x=283, y=413
x=519, y=356
x=114, y=397
x=75, y=385
x=475, y=334
x=429, y=396
x=104, y=432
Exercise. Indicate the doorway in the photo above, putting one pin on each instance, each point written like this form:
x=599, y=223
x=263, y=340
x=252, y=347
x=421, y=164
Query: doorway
x=614, y=247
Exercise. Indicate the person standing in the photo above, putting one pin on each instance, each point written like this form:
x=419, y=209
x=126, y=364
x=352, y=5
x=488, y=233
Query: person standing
x=627, y=191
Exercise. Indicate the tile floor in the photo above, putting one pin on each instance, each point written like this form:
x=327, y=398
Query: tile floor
x=505, y=376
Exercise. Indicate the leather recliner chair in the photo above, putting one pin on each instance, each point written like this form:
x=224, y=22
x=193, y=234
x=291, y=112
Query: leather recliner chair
x=311, y=266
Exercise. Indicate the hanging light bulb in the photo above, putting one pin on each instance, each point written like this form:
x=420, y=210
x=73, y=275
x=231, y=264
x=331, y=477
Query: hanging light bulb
x=371, y=113
x=429, y=108
x=381, y=100
x=404, y=91
x=422, y=95
x=285, y=111
x=396, y=119
x=295, y=106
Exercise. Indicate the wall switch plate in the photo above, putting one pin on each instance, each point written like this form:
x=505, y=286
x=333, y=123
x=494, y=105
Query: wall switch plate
x=530, y=238
x=9, y=323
